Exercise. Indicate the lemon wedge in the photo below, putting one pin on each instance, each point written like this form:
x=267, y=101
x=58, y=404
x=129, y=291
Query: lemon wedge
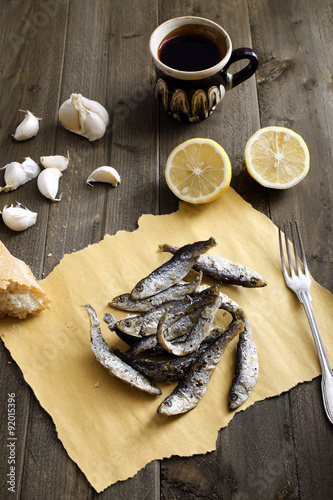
x=277, y=157
x=198, y=171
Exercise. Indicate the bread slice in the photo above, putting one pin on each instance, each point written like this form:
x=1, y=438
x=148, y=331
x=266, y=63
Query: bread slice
x=20, y=294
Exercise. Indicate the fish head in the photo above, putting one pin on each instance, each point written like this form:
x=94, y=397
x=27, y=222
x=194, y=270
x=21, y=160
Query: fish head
x=142, y=290
x=209, y=292
x=237, y=396
x=120, y=300
x=175, y=404
x=130, y=325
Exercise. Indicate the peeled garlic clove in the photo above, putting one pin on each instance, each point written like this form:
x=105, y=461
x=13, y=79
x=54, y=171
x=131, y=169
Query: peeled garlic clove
x=84, y=117
x=48, y=183
x=104, y=174
x=31, y=168
x=57, y=161
x=27, y=128
x=14, y=177
x=18, y=218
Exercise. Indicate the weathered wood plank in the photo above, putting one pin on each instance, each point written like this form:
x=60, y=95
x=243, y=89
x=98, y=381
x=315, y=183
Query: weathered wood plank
x=107, y=61
x=293, y=40
x=247, y=462
x=28, y=34
x=313, y=438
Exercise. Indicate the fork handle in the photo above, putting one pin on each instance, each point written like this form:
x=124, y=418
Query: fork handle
x=327, y=374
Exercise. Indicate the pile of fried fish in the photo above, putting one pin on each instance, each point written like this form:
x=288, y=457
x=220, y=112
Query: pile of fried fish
x=174, y=319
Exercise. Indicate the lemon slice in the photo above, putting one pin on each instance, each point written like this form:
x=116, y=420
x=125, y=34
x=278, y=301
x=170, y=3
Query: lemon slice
x=277, y=157
x=198, y=171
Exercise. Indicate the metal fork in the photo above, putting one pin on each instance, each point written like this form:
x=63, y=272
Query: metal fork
x=299, y=282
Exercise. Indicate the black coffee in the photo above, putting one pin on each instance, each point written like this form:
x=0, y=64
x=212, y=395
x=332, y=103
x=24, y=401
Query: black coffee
x=189, y=52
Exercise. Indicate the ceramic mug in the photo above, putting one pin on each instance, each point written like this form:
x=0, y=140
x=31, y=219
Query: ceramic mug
x=191, y=95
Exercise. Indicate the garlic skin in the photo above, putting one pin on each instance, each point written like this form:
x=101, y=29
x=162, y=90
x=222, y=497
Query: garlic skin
x=104, y=174
x=28, y=128
x=31, y=168
x=57, y=161
x=48, y=183
x=84, y=117
x=18, y=218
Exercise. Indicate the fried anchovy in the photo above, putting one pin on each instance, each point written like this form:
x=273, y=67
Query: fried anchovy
x=172, y=271
x=246, y=366
x=223, y=270
x=146, y=323
x=227, y=303
x=149, y=344
x=193, y=385
x=171, y=369
x=197, y=334
x=125, y=301
x=112, y=363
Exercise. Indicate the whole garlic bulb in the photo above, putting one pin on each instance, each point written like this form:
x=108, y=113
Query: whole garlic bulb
x=48, y=183
x=18, y=218
x=104, y=174
x=27, y=128
x=17, y=174
x=84, y=117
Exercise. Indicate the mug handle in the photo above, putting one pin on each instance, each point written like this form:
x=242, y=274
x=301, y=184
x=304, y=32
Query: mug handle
x=249, y=70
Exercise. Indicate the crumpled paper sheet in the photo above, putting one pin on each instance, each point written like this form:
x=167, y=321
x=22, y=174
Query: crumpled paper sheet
x=100, y=419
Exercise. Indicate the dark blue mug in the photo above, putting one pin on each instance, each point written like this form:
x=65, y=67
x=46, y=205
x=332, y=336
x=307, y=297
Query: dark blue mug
x=190, y=94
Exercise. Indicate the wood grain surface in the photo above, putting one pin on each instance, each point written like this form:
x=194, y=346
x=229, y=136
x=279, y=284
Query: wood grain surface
x=280, y=448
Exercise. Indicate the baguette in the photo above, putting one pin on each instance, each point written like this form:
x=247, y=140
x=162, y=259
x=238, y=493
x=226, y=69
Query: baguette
x=20, y=294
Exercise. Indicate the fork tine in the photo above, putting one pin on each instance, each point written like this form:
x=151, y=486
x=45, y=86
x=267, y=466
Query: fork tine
x=305, y=265
x=290, y=262
x=298, y=266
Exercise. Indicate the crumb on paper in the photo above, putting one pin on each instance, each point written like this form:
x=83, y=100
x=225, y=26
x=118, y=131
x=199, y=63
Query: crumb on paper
x=49, y=254
x=97, y=385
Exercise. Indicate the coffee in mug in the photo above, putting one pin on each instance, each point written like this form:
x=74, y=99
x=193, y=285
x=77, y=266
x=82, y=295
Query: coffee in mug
x=191, y=56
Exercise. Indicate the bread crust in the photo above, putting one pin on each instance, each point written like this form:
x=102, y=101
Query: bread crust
x=16, y=277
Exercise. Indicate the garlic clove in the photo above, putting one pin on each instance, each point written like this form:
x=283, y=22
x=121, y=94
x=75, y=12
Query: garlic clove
x=104, y=174
x=95, y=107
x=57, y=161
x=48, y=183
x=95, y=126
x=31, y=168
x=14, y=177
x=84, y=117
x=27, y=128
x=18, y=218
x=69, y=116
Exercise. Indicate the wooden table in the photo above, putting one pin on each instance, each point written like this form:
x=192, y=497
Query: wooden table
x=278, y=448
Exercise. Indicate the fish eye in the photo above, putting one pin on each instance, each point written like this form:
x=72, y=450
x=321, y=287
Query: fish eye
x=167, y=403
x=233, y=396
x=127, y=322
x=121, y=299
x=139, y=288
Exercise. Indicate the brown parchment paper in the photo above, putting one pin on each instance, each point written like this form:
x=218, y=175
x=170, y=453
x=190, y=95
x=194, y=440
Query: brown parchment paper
x=99, y=419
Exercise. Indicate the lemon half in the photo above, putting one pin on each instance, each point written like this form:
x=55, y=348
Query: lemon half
x=277, y=157
x=198, y=171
